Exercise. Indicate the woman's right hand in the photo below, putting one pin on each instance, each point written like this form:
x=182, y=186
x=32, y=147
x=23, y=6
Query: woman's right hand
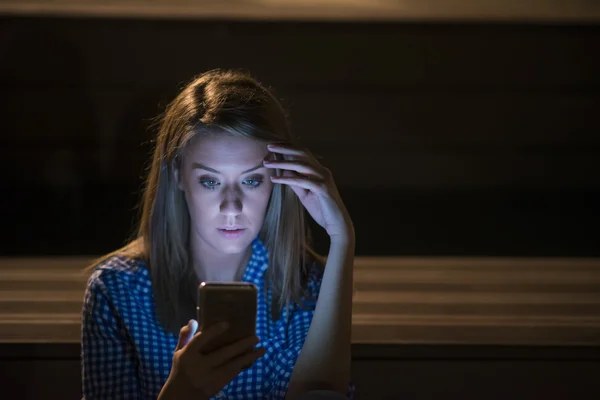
x=204, y=375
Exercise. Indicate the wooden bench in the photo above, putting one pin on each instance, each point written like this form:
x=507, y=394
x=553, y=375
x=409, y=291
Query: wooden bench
x=423, y=328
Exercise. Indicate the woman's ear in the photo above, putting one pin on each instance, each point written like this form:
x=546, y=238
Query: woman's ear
x=177, y=173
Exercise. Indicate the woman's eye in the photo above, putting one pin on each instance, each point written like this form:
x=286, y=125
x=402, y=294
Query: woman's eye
x=209, y=183
x=253, y=182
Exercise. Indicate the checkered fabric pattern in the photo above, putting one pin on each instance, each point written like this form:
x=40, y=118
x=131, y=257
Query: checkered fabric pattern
x=126, y=354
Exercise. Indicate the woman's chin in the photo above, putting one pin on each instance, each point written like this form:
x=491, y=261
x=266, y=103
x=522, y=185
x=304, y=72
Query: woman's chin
x=234, y=245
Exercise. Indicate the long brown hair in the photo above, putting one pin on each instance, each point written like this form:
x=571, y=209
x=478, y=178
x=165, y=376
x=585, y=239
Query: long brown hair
x=232, y=102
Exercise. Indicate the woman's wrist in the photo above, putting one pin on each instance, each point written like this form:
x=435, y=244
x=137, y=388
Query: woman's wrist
x=347, y=239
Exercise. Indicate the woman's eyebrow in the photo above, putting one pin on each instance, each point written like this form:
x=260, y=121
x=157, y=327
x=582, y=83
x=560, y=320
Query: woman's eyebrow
x=198, y=165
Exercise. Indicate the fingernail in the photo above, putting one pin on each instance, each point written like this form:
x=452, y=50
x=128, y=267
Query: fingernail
x=192, y=327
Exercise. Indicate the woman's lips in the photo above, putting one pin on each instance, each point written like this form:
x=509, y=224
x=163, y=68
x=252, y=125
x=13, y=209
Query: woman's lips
x=232, y=234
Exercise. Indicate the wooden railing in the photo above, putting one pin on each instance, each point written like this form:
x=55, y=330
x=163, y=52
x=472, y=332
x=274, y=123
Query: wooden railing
x=397, y=300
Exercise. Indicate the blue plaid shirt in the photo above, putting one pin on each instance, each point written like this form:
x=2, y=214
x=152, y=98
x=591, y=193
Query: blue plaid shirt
x=126, y=354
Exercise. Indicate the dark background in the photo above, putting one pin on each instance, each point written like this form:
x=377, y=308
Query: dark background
x=444, y=138
x=477, y=138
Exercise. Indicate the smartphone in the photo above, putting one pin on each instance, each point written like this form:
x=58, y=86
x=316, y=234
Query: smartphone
x=234, y=302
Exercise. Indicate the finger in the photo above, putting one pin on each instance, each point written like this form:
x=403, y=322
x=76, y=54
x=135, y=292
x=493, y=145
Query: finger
x=218, y=377
x=235, y=366
x=229, y=352
x=297, y=166
x=313, y=186
x=290, y=151
x=245, y=361
x=207, y=335
x=186, y=333
x=258, y=353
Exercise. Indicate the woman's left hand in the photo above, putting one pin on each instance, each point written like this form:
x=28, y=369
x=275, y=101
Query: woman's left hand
x=314, y=185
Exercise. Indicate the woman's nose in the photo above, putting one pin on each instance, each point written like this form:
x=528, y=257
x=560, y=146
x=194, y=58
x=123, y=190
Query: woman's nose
x=231, y=203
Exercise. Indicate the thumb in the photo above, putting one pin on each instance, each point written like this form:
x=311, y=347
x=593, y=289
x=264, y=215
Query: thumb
x=187, y=333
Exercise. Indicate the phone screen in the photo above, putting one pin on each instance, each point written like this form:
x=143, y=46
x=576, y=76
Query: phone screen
x=234, y=302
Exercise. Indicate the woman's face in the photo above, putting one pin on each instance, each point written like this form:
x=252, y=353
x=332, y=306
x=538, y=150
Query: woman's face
x=227, y=189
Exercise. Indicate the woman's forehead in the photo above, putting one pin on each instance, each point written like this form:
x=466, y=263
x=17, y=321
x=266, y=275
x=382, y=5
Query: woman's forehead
x=225, y=151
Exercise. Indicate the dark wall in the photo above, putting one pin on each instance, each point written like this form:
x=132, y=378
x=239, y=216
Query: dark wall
x=454, y=139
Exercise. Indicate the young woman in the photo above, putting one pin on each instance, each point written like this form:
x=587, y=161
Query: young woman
x=225, y=200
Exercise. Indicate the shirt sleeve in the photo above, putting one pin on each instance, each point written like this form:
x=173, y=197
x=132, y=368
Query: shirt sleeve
x=282, y=351
x=107, y=356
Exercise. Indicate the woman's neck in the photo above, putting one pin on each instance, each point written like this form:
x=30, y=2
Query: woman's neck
x=211, y=265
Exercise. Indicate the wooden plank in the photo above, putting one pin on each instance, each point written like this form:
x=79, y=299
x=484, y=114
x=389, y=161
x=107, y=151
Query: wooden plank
x=367, y=275
x=500, y=334
x=530, y=300
x=417, y=331
x=366, y=297
x=67, y=265
x=364, y=273
x=331, y=10
x=474, y=264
